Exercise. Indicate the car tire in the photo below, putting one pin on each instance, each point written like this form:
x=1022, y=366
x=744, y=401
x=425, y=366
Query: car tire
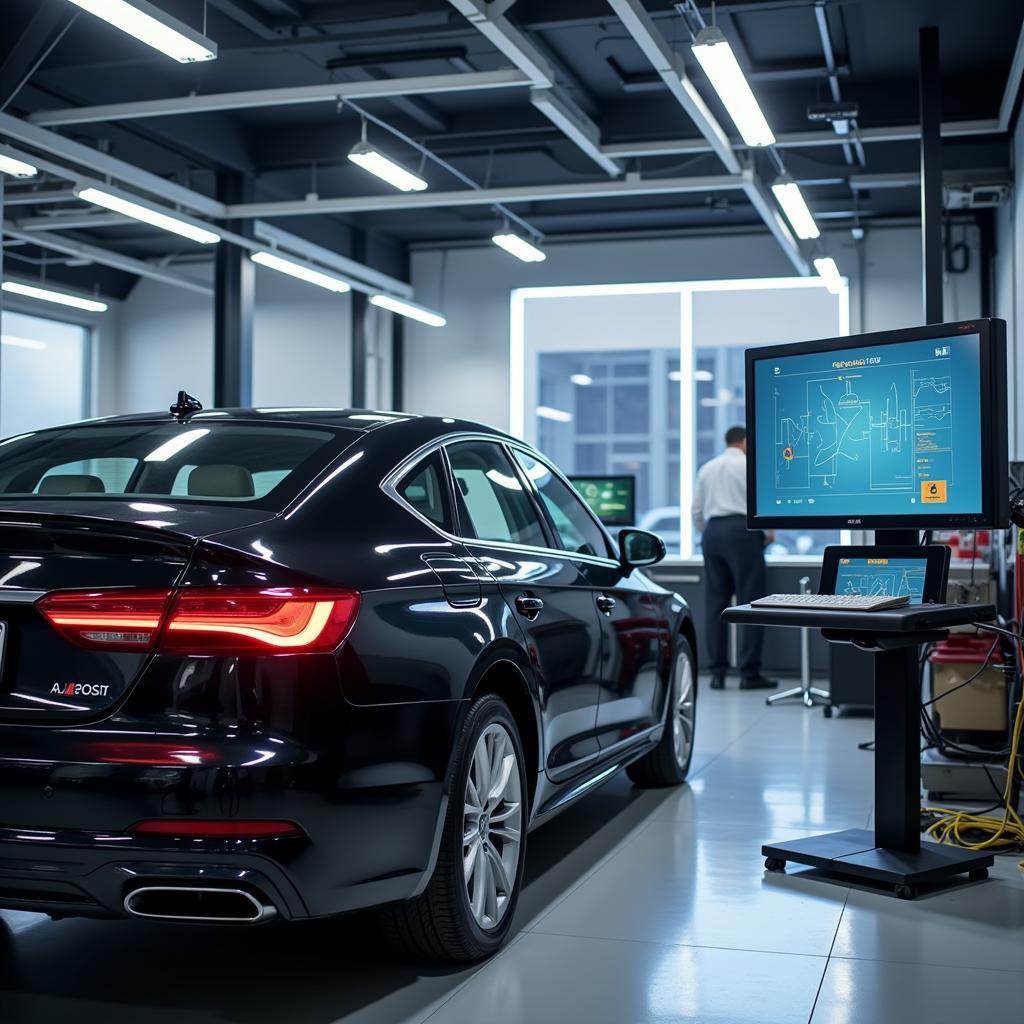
x=465, y=912
x=668, y=763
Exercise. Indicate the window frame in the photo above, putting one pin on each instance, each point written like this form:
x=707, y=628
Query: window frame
x=445, y=482
x=389, y=481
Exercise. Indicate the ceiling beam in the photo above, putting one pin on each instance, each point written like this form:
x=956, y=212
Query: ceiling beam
x=804, y=140
x=489, y=196
x=547, y=95
x=290, y=96
x=82, y=250
x=669, y=66
x=102, y=163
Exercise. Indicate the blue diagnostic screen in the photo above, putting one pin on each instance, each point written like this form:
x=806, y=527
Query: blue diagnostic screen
x=882, y=577
x=881, y=430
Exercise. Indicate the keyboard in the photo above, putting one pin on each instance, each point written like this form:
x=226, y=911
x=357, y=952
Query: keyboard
x=831, y=602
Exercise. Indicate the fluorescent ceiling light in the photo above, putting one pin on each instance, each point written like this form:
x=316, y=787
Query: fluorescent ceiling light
x=302, y=272
x=17, y=168
x=791, y=199
x=545, y=412
x=582, y=379
x=153, y=27
x=176, y=444
x=374, y=161
x=702, y=375
x=715, y=55
x=404, y=308
x=829, y=273
x=147, y=215
x=519, y=247
x=48, y=295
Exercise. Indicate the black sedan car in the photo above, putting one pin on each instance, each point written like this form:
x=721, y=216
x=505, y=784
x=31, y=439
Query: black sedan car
x=264, y=663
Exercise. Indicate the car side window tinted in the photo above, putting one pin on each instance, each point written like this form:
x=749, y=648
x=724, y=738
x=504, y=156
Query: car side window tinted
x=493, y=503
x=424, y=488
x=577, y=531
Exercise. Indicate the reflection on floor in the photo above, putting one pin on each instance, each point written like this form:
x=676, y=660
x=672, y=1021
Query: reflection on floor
x=639, y=907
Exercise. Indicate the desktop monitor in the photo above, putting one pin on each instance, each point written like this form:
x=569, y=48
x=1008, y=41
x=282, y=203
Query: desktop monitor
x=611, y=498
x=897, y=430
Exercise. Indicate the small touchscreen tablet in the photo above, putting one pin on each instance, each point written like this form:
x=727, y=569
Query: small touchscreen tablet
x=919, y=573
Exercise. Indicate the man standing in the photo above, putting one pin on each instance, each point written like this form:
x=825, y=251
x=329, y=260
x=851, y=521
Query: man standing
x=733, y=559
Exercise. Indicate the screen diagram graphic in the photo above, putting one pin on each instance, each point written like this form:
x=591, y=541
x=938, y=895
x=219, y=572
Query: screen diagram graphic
x=895, y=425
x=882, y=577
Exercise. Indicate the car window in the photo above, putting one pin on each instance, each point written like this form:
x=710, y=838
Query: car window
x=424, y=488
x=577, y=531
x=236, y=463
x=492, y=501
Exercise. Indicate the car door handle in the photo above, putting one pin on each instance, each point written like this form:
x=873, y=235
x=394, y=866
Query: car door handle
x=529, y=605
x=606, y=603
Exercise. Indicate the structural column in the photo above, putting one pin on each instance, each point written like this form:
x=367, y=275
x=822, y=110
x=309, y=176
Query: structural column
x=233, y=299
x=931, y=175
x=358, y=306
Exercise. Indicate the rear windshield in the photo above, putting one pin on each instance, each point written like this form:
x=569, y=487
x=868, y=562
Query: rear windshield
x=257, y=465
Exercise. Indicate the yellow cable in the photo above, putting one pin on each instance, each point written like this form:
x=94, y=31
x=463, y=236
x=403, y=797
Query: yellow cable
x=953, y=826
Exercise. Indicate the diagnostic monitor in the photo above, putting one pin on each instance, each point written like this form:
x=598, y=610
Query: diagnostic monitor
x=611, y=498
x=896, y=430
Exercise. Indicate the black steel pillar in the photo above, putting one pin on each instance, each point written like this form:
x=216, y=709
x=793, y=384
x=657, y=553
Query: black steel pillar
x=234, y=295
x=398, y=346
x=931, y=174
x=397, y=362
x=358, y=306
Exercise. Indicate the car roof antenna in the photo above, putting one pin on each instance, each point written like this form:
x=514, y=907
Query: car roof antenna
x=185, y=407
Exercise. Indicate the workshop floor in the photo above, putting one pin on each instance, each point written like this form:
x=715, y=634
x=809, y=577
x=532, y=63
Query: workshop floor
x=639, y=906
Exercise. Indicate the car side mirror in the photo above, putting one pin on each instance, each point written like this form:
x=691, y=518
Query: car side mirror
x=638, y=548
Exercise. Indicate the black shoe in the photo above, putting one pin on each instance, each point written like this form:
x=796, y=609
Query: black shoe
x=717, y=682
x=758, y=682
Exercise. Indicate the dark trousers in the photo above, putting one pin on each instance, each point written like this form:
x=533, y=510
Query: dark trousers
x=733, y=564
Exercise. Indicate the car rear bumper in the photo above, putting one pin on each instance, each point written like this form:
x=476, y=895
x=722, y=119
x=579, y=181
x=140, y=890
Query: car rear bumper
x=370, y=806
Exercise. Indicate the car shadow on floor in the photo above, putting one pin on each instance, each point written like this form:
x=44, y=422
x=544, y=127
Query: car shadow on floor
x=310, y=973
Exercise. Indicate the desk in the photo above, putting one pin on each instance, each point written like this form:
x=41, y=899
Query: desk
x=891, y=857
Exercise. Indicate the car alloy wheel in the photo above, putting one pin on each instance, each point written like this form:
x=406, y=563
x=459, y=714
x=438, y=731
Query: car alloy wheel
x=492, y=822
x=683, y=720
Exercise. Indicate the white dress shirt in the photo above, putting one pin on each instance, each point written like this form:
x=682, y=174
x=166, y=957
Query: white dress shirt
x=721, y=488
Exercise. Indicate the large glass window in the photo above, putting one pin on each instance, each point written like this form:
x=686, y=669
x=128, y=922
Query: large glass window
x=493, y=503
x=645, y=380
x=44, y=376
x=577, y=531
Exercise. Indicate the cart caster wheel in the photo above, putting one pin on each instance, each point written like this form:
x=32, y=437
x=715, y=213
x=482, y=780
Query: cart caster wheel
x=978, y=875
x=906, y=892
x=827, y=710
x=774, y=864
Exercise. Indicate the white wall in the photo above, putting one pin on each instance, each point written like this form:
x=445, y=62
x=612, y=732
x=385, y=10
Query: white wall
x=1009, y=288
x=301, y=344
x=462, y=369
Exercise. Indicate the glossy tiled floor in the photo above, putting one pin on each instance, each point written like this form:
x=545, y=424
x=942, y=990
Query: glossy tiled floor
x=639, y=907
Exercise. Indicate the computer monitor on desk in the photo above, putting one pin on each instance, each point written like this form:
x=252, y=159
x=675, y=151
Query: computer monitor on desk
x=890, y=431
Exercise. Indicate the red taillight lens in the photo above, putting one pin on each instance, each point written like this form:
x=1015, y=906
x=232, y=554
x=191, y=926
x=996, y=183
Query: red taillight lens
x=205, y=620
x=283, y=620
x=214, y=829
x=120, y=620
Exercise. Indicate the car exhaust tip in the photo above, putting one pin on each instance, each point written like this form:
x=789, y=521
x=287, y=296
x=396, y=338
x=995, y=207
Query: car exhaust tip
x=199, y=904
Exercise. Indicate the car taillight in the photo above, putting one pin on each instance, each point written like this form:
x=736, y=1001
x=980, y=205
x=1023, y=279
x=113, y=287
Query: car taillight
x=192, y=828
x=213, y=620
x=273, y=619
x=119, y=620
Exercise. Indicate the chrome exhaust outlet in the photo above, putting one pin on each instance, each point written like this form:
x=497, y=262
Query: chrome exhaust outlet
x=194, y=903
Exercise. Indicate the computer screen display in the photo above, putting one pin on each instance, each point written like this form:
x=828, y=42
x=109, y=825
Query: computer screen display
x=886, y=429
x=882, y=577
x=611, y=498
